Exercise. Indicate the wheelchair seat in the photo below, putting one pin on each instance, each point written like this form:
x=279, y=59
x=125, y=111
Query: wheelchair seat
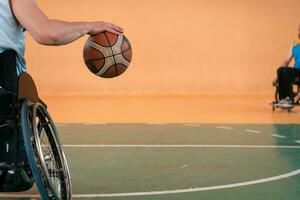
x=30, y=148
x=296, y=93
x=297, y=81
x=6, y=100
x=12, y=179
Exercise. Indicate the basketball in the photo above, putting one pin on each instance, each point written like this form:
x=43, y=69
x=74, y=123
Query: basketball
x=107, y=54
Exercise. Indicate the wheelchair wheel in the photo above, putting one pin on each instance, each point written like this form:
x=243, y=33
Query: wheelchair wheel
x=276, y=95
x=46, y=157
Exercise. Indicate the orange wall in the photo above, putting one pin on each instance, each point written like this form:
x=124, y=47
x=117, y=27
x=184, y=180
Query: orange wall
x=180, y=46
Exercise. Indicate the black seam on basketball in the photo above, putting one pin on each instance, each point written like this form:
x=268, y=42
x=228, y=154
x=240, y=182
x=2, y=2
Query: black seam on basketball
x=122, y=65
x=115, y=65
x=107, y=40
x=91, y=66
x=124, y=51
x=124, y=56
x=92, y=62
x=116, y=69
x=97, y=51
x=126, y=39
x=101, y=44
x=97, y=59
x=104, y=74
x=112, y=52
x=129, y=45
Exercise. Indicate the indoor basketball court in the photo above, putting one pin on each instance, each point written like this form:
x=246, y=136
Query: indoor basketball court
x=191, y=118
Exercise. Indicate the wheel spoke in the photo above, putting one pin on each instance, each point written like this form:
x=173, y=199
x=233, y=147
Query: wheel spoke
x=55, y=172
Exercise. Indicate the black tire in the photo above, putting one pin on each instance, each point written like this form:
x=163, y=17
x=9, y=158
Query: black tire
x=276, y=95
x=46, y=157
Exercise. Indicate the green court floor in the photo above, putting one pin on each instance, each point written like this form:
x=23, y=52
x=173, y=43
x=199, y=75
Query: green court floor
x=181, y=161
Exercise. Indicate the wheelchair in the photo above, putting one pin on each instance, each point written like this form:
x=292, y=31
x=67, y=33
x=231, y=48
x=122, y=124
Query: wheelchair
x=30, y=147
x=295, y=97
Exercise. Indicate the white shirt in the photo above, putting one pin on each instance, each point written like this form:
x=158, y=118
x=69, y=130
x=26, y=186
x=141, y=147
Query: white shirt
x=12, y=34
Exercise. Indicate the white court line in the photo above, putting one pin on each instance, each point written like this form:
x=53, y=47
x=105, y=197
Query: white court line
x=96, y=123
x=278, y=136
x=178, y=191
x=176, y=146
x=252, y=131
x=183, y=166
x=224, y=127
x=192, y=125
x=156, y=123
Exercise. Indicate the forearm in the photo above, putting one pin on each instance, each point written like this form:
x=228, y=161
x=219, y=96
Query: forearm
x=54, y=32
x=285, y=63
x=289, y=58
x=61, y=33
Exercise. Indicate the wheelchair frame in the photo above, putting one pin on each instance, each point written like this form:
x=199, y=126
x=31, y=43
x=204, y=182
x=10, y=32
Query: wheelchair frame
x=295, y=99
x=29, y=114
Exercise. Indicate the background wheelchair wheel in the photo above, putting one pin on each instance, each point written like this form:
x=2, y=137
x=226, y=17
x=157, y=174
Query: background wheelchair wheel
x=46, y=157
x=276, y=95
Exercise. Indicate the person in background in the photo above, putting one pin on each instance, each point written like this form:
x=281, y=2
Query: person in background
x=286, y=75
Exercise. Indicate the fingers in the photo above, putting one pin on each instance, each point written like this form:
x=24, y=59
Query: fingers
x=99, y=27
x=115, y=29
x=112, y=30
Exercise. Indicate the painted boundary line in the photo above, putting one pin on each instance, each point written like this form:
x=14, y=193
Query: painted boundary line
x=252, y=131
x=95, y=123
x=156, y=123
x=279, y=136
x=178, y=191
x=177, y=146
x=224, y=127
x=199, y=189
x=192, y=125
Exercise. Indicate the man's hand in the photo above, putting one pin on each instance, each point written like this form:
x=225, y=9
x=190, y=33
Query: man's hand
x=99, y=27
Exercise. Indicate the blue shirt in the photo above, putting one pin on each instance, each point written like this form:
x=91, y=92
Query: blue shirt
x=296, y=54
x=12, y=35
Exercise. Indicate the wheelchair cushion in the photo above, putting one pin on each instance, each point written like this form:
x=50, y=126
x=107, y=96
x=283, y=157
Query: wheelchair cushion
x=21, y=179
x=7, y=101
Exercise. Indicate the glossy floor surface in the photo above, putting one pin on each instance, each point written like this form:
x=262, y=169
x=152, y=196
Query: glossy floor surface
x=181, y=161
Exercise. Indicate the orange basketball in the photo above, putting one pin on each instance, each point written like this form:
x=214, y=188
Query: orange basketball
x=107, y=55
